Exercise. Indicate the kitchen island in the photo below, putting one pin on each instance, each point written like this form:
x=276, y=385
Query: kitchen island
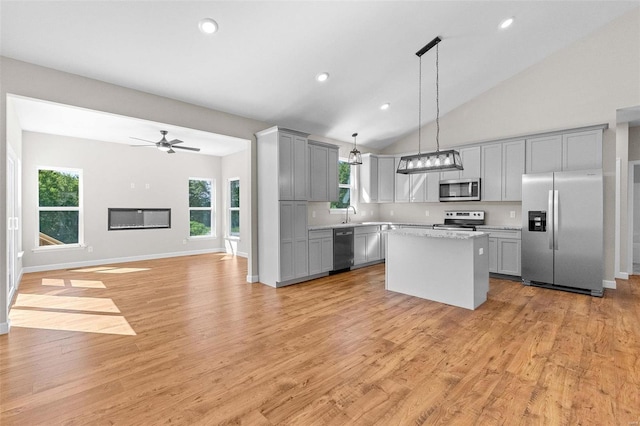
x=450, y=267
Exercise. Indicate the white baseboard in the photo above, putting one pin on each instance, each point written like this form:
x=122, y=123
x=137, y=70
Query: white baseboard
x=5, y=326
x=609, y=284
x=98, y=262
x=622, y=275
x=241, y=254
x=252, y=279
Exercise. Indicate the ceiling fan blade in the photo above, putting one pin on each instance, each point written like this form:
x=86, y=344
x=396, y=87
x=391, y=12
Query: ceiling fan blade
x=175, y=141
x=144, y=140
x=171, y=151
x=188, y=148
x=143, y=146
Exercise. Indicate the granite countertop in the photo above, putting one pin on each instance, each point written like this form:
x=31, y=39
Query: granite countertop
x=437, y=233
x=426, y=225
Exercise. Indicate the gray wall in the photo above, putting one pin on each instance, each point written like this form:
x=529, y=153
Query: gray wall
x=116, y=175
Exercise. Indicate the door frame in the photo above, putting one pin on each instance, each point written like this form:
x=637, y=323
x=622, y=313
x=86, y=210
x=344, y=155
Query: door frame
x=630, y=214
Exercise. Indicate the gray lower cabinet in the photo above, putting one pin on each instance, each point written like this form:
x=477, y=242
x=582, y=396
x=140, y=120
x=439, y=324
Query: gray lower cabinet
x=504, y=252
x=367, y=244
x=320, y=251
x=293, y=241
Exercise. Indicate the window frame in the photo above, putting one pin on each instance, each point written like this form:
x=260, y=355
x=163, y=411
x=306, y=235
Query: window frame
x=349, y=186
x=231, y=234
x=212, y=208
x=79, y=209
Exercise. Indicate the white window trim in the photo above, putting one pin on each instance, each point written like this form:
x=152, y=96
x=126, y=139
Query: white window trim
x=212, y=209
x=231, y=235
x=349, y=186
x=80, y=209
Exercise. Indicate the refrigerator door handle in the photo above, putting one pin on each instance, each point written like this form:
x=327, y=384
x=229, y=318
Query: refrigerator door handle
x=550, y=229
x=555, y=219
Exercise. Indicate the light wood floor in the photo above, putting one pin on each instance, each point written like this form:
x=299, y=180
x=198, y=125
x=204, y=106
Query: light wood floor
x=188, y=341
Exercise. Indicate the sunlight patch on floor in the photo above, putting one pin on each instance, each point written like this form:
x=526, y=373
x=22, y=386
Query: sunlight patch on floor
x=121, y=270
x=58, y=282
x=65, y=321
x=110, y=270
x=88, y=304
x=94, y=269
x=87, y=284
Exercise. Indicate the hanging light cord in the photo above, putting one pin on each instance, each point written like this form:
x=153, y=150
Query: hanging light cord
x=437, y=100
x=420, y=107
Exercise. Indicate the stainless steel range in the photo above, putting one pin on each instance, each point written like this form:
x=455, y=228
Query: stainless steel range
x=466, y=220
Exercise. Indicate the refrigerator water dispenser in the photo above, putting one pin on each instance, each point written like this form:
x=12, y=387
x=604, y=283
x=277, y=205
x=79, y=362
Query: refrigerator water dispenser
x=537, y=221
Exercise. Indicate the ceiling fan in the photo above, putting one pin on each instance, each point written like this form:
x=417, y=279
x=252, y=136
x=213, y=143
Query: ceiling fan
x=165, y=145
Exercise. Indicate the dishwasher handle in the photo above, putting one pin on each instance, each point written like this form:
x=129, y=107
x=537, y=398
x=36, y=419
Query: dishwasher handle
x=341, y=233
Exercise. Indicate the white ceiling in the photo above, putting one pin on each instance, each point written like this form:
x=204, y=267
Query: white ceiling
x=262, y=62
x=57, y=119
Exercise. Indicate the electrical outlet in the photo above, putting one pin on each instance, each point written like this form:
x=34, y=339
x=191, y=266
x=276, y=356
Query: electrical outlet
x=313, y=213
x=133, y=185
x=513, y=214
x=184, y=241
x=426, y=213
x=90, y=249
x=147, y=186
x=391, y=213
x=481, y=251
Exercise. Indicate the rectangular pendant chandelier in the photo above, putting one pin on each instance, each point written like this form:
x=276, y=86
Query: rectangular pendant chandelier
x=438, y=161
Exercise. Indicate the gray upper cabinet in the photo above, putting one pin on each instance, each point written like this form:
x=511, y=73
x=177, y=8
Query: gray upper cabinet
x=502, y=169
x=293, y=163
x=544, y=154
x=578, y=150
x=470, y=161
x=368, y=177
x=582, y=150
x=512, y=170
x=491, y=172
x=386, y=179
x=402, y=185
x=323, y=172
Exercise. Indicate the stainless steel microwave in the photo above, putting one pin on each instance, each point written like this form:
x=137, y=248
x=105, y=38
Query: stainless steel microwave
x=460, y=190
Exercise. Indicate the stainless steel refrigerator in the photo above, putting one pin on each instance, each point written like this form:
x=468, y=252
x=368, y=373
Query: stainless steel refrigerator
x=562, y=230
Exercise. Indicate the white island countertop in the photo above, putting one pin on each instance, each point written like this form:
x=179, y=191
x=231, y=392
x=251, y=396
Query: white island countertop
x=436, y=233
x=450, y=267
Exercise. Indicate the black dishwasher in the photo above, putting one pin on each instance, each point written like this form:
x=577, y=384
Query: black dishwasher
x=342, y=248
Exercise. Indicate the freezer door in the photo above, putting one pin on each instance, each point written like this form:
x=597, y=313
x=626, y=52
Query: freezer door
x=537, y=247
x=579, y=247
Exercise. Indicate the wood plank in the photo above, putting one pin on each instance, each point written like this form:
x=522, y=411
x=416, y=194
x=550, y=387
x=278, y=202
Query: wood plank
x=210, y=348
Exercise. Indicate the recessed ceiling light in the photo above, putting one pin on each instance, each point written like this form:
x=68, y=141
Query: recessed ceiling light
x=208, y=26
x=323, y=76
x=506, y=23
x=385, y=107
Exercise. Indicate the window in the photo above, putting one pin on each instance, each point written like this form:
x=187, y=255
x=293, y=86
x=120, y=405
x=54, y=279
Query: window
x=234, y=207
x=201, y=219
x=59, y=207
x=344, y=186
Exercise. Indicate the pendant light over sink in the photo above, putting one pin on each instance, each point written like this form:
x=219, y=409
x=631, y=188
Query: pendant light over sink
x=437, y=161
x=355, y=158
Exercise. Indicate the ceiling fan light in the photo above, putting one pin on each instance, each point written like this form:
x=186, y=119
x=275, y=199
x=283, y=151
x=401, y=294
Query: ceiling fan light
x=164, y=148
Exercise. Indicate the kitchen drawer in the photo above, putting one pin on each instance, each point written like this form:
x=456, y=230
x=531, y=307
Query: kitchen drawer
x=507, y=234
x=359, y=230
x=320, y=233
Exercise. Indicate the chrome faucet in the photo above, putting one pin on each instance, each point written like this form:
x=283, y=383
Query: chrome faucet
x=346, y=220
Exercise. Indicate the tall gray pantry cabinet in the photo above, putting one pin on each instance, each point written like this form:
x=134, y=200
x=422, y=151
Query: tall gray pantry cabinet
x=283, y=191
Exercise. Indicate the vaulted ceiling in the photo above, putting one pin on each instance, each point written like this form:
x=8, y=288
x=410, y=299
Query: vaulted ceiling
x=263, y=60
